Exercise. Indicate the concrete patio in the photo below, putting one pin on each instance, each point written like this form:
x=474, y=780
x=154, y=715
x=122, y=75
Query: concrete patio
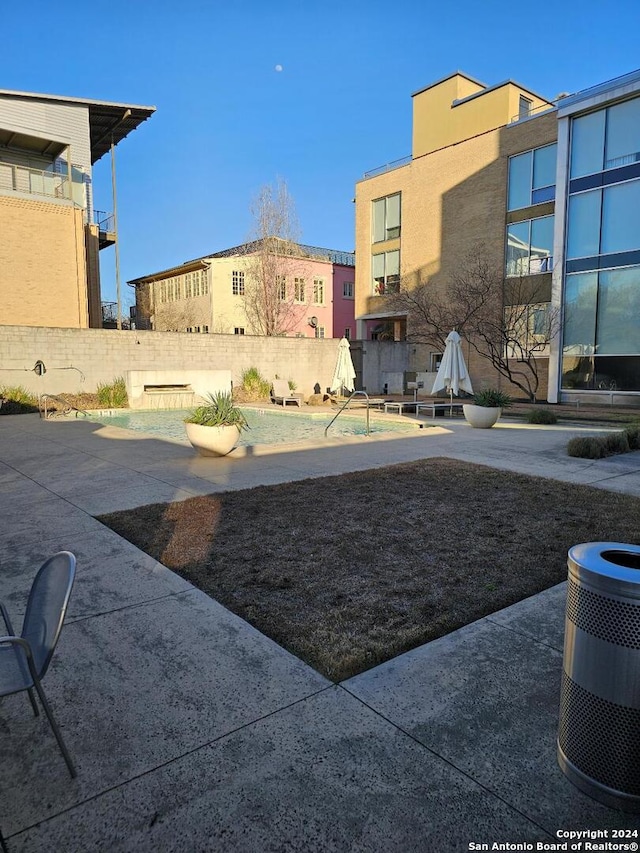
x=193, y=731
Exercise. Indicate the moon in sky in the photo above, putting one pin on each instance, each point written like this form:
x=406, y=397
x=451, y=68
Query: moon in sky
x=278, y=67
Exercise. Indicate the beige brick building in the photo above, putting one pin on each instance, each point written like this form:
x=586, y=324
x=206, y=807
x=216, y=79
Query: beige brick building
x=417, y=221
x=50, y=231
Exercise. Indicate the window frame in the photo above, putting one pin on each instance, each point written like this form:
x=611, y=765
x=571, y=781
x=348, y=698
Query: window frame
x=386, y=228
x=546, y=265
x=299, y=288
x=386, y=286
x=318, y=291
x=548, y=197
x=237, y=283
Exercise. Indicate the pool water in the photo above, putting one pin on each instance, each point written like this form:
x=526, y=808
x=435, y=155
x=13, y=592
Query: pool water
x=265, y=427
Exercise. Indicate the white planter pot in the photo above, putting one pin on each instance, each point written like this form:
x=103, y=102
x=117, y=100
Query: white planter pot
x=481, y=417
x=213, y=440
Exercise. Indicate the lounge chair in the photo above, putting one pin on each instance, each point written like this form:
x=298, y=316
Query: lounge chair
x=281, y=393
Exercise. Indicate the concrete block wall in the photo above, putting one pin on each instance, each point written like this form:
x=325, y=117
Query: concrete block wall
x=77, y=360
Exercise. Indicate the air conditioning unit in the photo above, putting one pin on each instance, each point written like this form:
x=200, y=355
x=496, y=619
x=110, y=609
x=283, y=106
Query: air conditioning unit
x=313, y=322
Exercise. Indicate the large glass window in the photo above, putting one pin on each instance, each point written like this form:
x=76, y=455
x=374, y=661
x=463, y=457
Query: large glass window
x=618, y=331
x=581, y=292
x=623, y=134
x=532, y=177
x=601, y=336
x=583, y=227
x=620, y=228
x=587, y=144
x=530, y=246
x=604, y=221
x=386, y=218
x=385, y=269
x=606, y=139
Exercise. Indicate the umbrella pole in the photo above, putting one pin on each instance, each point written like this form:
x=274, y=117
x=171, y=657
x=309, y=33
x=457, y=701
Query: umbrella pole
x=450, y=402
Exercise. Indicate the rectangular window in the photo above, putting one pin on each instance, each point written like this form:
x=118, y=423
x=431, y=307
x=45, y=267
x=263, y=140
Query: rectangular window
x=532, y=177
x=530, y=246
x=205, y=329
x=188, y=288
x=347, y=289
x=385, y=269
x=623, y=134
x=237, y=283
x=163, y=291
x=319, y=331
x=620, y=206
x=583, y=224
x=318, y=291
x=606, y=139
x=298, y=289
x=196, y=284
x=347, y=334
x=386, y=218
x=239, y=330
x=602, y=222
x=204, y=277
x=281, y=284
x=617, y=328
x=524, y=107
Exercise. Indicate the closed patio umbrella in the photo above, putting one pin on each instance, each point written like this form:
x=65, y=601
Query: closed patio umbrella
x=344, y=374
x=452, y=373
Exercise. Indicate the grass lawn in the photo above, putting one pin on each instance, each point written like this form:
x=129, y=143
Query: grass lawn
x=349, y=571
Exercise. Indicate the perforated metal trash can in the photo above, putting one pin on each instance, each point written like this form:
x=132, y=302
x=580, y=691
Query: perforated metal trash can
x=599, y=732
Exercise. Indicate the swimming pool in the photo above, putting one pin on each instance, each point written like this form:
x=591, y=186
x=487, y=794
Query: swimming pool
x=265, y=427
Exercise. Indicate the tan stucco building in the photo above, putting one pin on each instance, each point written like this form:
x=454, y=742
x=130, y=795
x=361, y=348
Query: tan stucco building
x=50, y=231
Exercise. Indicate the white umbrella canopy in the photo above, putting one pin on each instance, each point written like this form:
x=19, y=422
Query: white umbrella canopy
x=344, y=374
x=452, y=373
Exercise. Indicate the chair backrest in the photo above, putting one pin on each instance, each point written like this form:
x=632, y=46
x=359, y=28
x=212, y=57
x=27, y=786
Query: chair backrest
x=47, y=606
x=281, y=388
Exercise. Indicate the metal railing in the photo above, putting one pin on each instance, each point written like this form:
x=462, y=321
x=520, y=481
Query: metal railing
x=534, y=111
x=104, y=220
x=389, y=167
x=67, y=407
x=344, y=406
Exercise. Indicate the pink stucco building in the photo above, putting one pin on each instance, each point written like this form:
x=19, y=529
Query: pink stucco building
x=313, y=288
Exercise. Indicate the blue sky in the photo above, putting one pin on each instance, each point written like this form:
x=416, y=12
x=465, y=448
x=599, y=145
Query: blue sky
x=227, y=122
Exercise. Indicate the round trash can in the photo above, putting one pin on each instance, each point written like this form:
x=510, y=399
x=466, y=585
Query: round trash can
x=599, y=731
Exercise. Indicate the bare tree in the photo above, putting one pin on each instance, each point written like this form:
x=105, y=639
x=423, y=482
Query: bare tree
x=508, y=321
x=270, y=300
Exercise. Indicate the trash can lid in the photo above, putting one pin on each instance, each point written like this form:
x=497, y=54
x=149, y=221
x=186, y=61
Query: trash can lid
x=617, y=561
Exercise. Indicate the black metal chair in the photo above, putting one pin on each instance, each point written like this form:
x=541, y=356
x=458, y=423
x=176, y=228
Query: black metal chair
x=25, y=659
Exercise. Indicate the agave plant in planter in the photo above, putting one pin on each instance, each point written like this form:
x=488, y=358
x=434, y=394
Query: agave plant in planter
x=486, y=408
x=214, y=428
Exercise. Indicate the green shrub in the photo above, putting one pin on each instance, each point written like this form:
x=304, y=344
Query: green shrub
x=254, y=386
x=16, y=400
x=633, y=436
x=219, y=411
x=541, y=416
x=616, y=442
x=113, y=395
x=586, y=447
x=491, y=398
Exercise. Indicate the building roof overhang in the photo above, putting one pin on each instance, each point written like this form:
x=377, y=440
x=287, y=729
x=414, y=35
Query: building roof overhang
x=108, y=121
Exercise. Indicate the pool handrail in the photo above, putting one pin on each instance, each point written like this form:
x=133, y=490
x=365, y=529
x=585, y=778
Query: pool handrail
x=344, y=406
